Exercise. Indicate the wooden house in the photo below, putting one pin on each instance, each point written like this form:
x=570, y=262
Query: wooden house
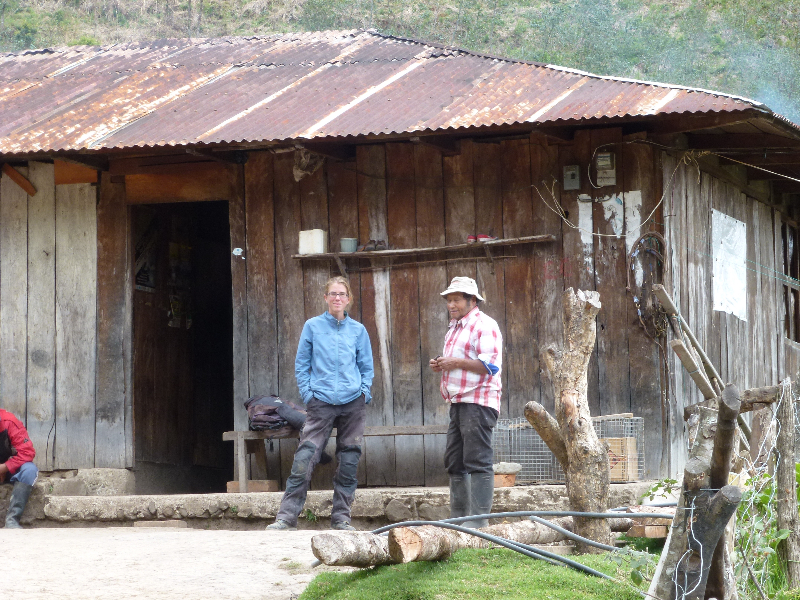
x=153, y=193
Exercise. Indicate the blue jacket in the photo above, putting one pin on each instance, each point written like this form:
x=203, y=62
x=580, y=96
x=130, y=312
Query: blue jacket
x=334, y=360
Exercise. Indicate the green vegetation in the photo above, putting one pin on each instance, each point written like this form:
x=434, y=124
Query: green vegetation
x=757, y=538
x=485, y=574
x=746, y=47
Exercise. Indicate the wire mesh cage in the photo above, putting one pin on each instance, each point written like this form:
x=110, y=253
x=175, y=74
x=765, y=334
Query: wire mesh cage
x=514, y=440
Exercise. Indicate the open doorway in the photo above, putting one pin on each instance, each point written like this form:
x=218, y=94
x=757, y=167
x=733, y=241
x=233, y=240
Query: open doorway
x=183, y=349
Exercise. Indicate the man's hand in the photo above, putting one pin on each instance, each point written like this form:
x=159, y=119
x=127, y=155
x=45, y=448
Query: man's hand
x=448, y=363
x=3, y=471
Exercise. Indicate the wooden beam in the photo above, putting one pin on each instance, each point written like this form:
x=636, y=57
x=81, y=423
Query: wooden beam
x=559, y=134
x=689, y=123
x=716, y=171
x=767, y=159
x=751, y=400
x=71, y=172
x=741, y=141
x=445, y=144
x=96, y=163
x=184, y=183
x=695, y=369
x=232, y=157
x=152, y=164
x=340, y=152
x=19, y=179
x=785, y=186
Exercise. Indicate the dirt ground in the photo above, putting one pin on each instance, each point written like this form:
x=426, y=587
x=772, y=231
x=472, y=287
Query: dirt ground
x=166, y=564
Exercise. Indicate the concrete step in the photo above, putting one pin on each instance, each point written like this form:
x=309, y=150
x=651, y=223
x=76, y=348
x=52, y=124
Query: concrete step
x=373, y=507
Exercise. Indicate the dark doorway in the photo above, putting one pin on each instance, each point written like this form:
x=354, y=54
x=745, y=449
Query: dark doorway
x=183, y=349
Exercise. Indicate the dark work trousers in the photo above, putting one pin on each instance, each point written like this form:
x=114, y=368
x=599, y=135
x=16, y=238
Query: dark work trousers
x=321, y=419
x=469, y=439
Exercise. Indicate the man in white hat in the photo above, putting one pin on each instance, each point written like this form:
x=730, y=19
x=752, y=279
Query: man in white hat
x=470, y=366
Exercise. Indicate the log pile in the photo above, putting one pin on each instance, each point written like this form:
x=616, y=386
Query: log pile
x=427, y=542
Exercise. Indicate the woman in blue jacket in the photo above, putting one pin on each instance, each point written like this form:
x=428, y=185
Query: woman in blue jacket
x=334, y=373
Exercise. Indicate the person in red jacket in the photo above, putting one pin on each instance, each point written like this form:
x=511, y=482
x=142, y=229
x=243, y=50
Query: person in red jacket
x=18, y=469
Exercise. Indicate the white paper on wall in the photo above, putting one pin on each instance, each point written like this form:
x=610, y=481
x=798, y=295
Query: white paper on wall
x=729, y=251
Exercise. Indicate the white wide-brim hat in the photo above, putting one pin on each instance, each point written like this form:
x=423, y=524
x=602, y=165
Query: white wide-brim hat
x=465, y=285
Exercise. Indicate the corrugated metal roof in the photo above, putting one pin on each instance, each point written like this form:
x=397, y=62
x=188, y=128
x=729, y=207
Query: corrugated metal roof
x=306, y=85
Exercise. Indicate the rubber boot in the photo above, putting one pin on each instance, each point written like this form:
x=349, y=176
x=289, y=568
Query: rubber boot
x=482, y=492
x=459, y=496
x=19, y=498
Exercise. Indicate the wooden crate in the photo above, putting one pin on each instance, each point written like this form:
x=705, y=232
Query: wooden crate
x=623, y=458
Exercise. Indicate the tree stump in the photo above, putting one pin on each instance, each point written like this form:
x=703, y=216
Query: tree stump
x=570, y=435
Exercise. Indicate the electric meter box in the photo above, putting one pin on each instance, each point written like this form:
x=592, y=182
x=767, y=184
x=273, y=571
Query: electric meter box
x=572, y=177
x=606, y=169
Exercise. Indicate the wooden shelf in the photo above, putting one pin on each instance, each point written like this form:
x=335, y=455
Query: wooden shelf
x=406, y=253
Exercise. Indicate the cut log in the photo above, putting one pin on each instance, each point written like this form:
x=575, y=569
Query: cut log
x=411, y=544
x=750, y=399
x=351, y=549
x=584, y=458
x=652, y=509
x=428, y=542
x=648, y=531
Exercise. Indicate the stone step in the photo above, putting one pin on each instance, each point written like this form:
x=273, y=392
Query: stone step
x=373, y=507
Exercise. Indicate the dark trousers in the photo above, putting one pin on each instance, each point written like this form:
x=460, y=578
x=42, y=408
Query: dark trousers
x=322, y=417
x=469, y=439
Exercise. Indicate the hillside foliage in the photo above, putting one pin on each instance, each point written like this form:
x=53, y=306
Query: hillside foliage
x=745, y=47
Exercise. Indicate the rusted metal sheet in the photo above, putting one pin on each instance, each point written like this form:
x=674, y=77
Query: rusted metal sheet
x=300, y=85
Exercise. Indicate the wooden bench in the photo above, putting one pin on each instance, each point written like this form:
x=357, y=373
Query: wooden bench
x=252, y=442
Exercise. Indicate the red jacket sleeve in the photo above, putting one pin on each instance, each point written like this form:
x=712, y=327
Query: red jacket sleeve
x=21, y=441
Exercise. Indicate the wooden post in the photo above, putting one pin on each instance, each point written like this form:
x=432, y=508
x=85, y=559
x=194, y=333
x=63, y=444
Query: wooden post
x=663, y=585
x=786, y=484
x=571, y=436
x=724, y=438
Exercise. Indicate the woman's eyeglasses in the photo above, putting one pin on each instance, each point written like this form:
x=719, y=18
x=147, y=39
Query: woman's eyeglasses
x=338, y=294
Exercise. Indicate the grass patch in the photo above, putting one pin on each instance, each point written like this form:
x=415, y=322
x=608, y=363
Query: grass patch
x=484, y=574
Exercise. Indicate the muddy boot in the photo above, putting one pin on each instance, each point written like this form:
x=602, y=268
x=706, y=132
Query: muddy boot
x=482, y=491
x=459, y=496
x=19, y=498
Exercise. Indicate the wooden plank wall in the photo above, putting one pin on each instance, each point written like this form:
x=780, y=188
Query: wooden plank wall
x=64, y=340
x=413, y=196
x=751, y=352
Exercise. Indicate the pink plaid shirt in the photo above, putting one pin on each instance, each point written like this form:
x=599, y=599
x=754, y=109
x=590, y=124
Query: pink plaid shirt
x=474, y=336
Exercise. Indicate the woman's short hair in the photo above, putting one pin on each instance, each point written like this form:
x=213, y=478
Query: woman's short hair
x=341, y=281
x=469, y=297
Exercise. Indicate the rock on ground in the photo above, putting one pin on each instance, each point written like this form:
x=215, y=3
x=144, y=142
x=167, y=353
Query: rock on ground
x=166, y=564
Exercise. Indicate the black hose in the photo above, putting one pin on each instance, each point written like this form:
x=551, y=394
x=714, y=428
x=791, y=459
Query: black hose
x=529, y=551
x=654, y=505
x=573, y=536
x=543, y=513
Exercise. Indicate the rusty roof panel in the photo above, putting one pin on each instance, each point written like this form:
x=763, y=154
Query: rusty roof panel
x=300, y=85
